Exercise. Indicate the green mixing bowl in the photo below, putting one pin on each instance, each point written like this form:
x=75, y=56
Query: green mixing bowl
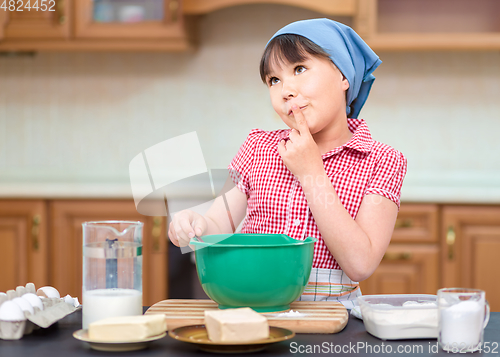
x=263, y=271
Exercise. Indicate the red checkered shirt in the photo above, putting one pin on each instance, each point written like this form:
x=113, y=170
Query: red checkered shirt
x=276, y=202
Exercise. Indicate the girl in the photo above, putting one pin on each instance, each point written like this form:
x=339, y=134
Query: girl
x=325, y=177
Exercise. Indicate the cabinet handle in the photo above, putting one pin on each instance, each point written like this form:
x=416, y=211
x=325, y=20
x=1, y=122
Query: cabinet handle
x=398, y=256
x=404, y=223
x=156, y=232
x=35, y=231
x=173, y=6
x=60, y=11
x=450, y=241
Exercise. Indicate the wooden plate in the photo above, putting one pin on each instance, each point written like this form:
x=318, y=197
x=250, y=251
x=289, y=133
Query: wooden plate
x=197, y=334
x=113, y=346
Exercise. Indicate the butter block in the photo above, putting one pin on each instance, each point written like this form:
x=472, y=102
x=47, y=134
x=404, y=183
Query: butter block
x=236, y=325
x=127, y=328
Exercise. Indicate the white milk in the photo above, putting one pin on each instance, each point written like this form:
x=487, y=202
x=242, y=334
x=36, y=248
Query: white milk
x=101, y=303
x=462, y=324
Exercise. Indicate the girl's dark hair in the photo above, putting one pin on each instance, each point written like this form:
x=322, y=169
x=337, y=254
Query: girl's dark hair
x=288, y=48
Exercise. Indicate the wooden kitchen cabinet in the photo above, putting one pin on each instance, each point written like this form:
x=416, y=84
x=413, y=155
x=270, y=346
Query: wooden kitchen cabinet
x=405, y=269
x=395, y=25
x=23, y=243
x=50, y=20
x=67, y=217
x=169, y=26
x=471, y=249
x=71, y=25
x=386, y=25
x=411, y=262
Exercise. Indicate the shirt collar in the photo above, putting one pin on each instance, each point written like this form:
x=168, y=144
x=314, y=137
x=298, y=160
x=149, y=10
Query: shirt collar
x=361, y=139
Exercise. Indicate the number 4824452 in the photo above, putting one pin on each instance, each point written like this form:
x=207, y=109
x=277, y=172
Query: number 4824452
x=28, y=5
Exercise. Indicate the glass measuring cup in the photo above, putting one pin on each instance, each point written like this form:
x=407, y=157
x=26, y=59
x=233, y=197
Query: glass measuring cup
x=463, y=315
x=112, y=270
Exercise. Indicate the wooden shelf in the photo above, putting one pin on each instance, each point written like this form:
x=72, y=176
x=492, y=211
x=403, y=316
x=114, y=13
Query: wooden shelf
x=328, y=7
x=98, y=45
x=434, y=41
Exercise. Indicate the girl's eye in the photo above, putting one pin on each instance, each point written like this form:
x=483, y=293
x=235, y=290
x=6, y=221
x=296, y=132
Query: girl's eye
x=273, y=81
x=300, y=69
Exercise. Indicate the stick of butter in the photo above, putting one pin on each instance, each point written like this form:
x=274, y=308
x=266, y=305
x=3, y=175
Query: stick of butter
x=236, y=325
x=127, y=328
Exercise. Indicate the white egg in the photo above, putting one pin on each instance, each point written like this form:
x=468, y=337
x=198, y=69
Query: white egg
x=24, y=305
x=71, y=301
x=30, y=288
x=34, y=300
x=10, y=311
x=77, y=303
x=48, y=291
x=68, y=300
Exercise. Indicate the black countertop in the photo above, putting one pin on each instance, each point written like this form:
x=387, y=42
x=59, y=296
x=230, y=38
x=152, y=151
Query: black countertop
x=58, y=340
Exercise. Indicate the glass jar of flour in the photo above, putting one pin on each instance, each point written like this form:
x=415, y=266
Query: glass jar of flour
x=463, y=315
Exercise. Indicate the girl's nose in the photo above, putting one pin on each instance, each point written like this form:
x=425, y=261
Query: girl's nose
x=288, y=91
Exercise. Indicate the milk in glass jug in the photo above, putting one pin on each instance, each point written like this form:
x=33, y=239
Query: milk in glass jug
x=112, y=270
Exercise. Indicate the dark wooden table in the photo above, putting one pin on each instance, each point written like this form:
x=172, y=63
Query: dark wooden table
x=353, y=340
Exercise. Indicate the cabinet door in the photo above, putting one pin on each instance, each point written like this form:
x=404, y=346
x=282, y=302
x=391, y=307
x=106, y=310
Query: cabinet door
x=394, y=25
x=405, y=269
x=23, y=243
x=416, y=223
x=133, y=19
x=470, y=249
x=66, y=244
x=48, y=20
x=409, y=268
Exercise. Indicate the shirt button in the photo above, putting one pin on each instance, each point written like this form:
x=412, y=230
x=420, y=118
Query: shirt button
x=296, y=222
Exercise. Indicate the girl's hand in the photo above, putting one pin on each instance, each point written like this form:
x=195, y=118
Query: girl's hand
x=300, y=153
x=184, y=226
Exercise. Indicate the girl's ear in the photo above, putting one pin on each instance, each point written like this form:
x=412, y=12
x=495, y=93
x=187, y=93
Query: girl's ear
x=345, y=82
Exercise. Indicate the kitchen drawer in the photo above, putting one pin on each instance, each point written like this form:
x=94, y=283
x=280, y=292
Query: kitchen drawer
x=416, y=223
x=405, y=269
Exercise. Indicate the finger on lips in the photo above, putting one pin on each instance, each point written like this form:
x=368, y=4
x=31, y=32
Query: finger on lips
x=300, y=120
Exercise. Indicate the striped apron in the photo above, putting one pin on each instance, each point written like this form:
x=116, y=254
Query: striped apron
x=331, y=285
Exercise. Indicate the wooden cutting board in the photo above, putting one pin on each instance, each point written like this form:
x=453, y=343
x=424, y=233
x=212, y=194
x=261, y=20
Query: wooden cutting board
x=319, y=316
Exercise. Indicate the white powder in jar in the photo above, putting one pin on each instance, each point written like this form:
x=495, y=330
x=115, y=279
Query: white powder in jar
x=396, y=322
x=462, y=324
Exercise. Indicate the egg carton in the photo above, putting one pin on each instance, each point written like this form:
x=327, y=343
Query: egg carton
x=48, y=310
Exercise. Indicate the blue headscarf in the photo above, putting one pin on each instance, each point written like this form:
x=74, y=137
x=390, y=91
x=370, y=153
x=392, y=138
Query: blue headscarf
x=352, y=56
